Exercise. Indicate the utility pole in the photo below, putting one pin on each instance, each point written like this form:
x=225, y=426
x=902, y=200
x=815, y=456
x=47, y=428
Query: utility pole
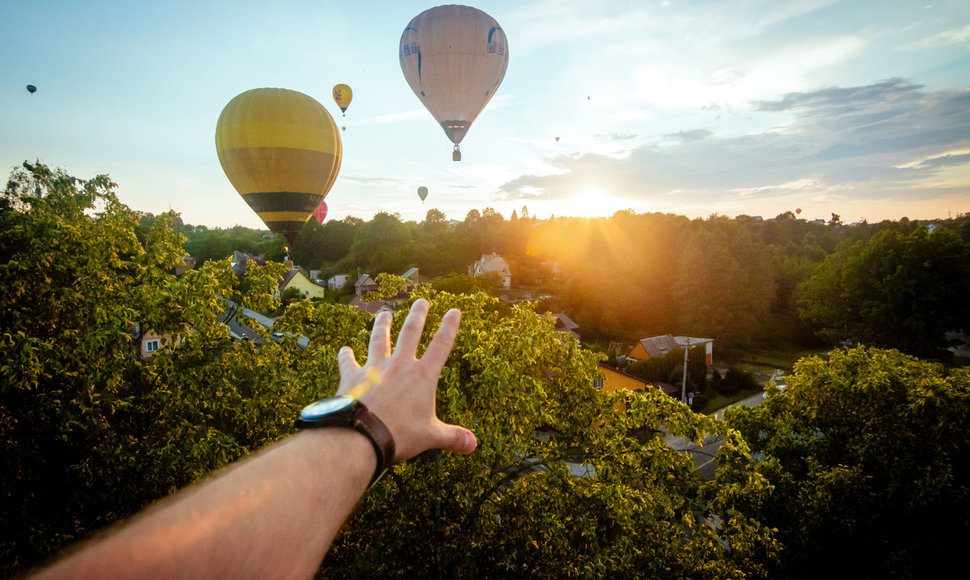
x=683, y=387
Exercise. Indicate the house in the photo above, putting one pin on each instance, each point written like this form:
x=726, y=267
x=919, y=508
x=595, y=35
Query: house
x=240, y=261
x=374, y=307
x=365, y=284
x=295, y=278
x=493, y=263
x=152, y=342
x=337, y=281
x=658, y=346
x=565, y=324
x=413, y=277
x=614, y=380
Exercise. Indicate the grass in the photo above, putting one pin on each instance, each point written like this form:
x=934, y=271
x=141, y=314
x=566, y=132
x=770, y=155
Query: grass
x=774, y=359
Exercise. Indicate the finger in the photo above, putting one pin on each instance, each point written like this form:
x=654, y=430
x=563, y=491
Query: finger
x=379, y=347
x=457, y=439
x=407, y=341
x=346, y=361
x=440, y=347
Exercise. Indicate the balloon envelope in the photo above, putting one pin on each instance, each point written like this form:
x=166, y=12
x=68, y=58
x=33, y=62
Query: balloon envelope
x=31, y=89
x=454, y=58
x=423, y=192
x=321, y=212
x=798, y=211
x=342, y=95
x=281, y=150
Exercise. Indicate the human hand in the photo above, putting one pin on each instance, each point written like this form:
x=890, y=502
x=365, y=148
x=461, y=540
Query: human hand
x=400, y=389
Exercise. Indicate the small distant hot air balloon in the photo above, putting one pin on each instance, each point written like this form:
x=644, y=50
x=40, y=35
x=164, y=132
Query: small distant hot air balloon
x=454, y=58
x=342, y=95
x=423, y=193
x=557, y=139
x=798, y=211
x=321, y=212
x=31, y=89
x=281, y=150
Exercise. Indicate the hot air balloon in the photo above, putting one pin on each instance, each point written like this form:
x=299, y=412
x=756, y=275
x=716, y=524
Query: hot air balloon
x=798, y=211
x=343, y=95
x=423, y=193
x=281, y=150
x=454, y=58
x=557, y=139
x=321, y=212
x=31, y=89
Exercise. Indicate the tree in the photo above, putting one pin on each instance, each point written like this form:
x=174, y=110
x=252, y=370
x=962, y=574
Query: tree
x=382, y=244
x=724, y=285
x=517, y=506
x=89, y=431
x=896, y=290
x=863, y=453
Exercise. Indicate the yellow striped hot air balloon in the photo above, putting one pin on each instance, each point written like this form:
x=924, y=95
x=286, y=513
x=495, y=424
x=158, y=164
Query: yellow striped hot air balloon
x=281, y=150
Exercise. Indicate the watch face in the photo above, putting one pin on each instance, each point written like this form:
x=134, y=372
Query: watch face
x=324, y=407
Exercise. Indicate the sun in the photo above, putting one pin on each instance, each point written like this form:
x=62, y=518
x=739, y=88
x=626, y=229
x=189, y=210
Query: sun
x=589, y=201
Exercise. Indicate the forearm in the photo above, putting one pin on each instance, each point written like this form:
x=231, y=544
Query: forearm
x=271, y=515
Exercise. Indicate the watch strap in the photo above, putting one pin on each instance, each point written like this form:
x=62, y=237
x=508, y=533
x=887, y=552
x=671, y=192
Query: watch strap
x=380, y=437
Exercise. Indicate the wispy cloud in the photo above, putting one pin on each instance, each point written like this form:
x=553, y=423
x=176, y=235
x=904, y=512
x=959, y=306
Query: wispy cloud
x=367, y=179
x=950, y=37
x=885, y=139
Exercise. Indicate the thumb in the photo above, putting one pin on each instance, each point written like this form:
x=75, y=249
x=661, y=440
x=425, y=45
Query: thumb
x=455, y=438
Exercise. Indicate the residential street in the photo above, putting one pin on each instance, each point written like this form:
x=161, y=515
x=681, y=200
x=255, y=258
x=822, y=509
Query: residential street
x=704, y=453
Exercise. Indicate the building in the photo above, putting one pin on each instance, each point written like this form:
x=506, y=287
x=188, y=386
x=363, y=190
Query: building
x=337, y=281
x=365, y=284
x=374, y=307
x=658, y=346
x=413, y=278
x=295, y=278
x=493, y=263
x=614, y=380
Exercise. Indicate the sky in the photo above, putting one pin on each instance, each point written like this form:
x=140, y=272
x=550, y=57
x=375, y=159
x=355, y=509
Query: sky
x=695, y=108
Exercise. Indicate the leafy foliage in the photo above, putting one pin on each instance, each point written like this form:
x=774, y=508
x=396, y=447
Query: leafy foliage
x=864, y=456
x=896, y=290
x=89, y=431
x=516, y=507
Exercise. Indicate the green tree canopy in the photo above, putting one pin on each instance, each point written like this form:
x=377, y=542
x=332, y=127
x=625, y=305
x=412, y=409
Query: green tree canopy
x=897, y=290
x=560, y=485
x=865, y=456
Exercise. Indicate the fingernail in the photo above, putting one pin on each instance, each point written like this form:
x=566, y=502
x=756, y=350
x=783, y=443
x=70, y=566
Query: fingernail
x=470, y=442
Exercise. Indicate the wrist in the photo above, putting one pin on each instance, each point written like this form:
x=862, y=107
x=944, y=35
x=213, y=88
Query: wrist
x=347, y=412
x=346, y=451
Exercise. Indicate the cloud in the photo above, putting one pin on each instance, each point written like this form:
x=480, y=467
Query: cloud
x=841, y=100
x=366, y=179
x=685, y=136
x=621, y=136
x=888, y=139
x=945, y=38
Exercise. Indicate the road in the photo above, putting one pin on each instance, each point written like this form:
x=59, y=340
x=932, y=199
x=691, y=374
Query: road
x=705, y=453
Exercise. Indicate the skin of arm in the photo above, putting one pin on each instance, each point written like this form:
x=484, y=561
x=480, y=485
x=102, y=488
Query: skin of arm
x=274, y=514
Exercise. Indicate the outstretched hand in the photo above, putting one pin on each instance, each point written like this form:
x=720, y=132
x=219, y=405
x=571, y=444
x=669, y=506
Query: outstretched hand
x=400, y=389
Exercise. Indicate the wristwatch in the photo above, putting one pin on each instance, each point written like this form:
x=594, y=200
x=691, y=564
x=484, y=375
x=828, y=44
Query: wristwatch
x=347, y=411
